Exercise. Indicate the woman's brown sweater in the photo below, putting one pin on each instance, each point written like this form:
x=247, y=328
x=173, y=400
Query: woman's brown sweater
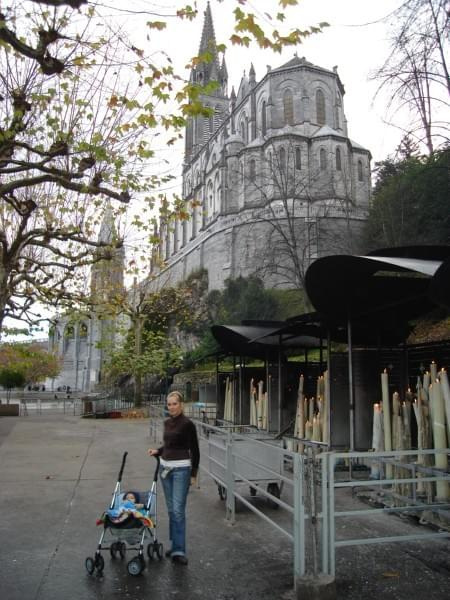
x=180, y=441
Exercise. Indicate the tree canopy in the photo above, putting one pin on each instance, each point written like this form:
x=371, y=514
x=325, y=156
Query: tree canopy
x=416, y=72
x=30, y=360
x=410, y=202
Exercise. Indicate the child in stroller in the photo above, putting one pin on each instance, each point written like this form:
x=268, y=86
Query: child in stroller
x=128, y=505
x=129, y=520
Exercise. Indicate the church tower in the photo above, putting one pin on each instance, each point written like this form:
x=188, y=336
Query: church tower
x=199, y=129
x=107, y=279
x=107, y=274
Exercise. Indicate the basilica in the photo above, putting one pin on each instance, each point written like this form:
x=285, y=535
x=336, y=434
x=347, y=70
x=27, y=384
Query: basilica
x=271, y=181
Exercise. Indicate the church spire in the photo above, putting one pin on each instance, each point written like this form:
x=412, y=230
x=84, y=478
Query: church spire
x=208, y=39
x=107, y=274
x=207, y=71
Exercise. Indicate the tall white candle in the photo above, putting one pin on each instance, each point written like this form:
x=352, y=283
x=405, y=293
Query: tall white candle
x=300, y=416
x=445, y=387
x=426, y=383
x=386, y=418
x=316, y=436
x=377, y=440
x=433, y=371
x=439, y=437
x=395, y=414
x=421, y=441
x=311, y=409
x=406, y=414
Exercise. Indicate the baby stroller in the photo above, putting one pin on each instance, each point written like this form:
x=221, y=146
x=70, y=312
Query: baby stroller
x=128, y=530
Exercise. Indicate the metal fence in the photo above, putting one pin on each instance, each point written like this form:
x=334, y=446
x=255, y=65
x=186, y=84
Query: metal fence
x=96, y=407
x=309, y=488
x=411, y=487
x=39, y=406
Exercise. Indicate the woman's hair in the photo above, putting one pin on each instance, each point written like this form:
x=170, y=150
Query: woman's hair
x=179, y=395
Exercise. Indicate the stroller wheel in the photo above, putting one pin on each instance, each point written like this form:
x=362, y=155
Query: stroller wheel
x=114, y=549
x=99, y=563
x=90, y=565
x=122, y=547
x=159, y=551
x=150, y=550
x=135, y=566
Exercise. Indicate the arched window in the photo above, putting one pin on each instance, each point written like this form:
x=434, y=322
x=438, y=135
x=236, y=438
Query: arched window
x=216, y=194
x=252, y=170
x=288, y=104
x=69, y=332
x=282, y=158
x=83, y=330
x=263, y=119
x=216, y=116
x=69, y=336
x=210, y=199
x=323, y=159
x=320, y=107
x=360, y=170
x=298, y=158
x=338, y=160
x=242, y=130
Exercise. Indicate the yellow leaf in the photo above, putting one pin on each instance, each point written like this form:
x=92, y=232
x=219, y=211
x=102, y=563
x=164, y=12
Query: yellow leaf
x=156, y=25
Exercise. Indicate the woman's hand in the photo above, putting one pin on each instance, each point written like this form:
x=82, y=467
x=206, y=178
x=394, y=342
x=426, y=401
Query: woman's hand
x=152, y=451
x=194, y=481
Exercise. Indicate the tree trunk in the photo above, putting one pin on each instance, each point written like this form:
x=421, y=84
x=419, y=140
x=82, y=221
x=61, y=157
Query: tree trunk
x=3, y=295
x=138, y=350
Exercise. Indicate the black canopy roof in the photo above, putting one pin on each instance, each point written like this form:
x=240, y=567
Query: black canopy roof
x=262, y=340
x=381, y=293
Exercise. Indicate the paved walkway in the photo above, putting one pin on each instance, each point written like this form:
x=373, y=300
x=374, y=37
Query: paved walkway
x=56, y=477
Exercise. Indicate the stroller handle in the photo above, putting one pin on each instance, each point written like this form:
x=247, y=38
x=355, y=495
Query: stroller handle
x=124, y=458
x=155, y=476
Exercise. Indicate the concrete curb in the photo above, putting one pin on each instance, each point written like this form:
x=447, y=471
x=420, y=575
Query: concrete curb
x=316, y=587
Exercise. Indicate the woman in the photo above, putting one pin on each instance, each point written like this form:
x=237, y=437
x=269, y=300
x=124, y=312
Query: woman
x=180, y=457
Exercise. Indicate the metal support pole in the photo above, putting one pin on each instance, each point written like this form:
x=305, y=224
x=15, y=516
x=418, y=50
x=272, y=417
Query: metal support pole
x=328, y=391
x=217, y=387
x=280, y=387
x=325, y=515
x=299, y=518
x=230, y=500
x=241, y=387
x=351, y=395
x=331, y=521
x=269, y=395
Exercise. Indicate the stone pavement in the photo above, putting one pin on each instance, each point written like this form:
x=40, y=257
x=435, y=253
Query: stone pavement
x=57, y=474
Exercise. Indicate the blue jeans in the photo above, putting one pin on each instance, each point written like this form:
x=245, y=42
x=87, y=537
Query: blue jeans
x=176, y=488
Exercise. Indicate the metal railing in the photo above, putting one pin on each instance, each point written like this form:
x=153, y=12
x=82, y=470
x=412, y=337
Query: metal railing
x=311, y=484
x=406, y=471
x=73, y=406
